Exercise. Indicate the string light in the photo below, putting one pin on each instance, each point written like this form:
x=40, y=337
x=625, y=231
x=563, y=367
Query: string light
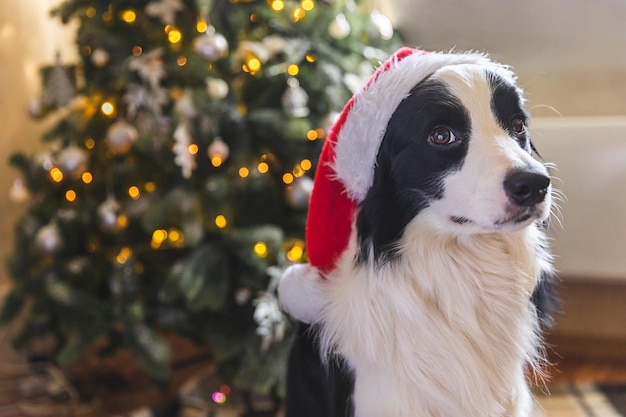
x=122, y=221
x=56, y=174
x=298, y=171
x=193, y=149
x=149, y=187
x=320, y=133
x=123, y=255
x=288, y=178
x=128, y=16
x=296, y=252
x=133, y=192
x=90, y=143
x=174, y=36
x=218, y=397
x=70, y=195
x=293, y=70
x=90, y=12
x=263, y=167
x=137, y=50
x=298, y=14
x=244, y=172
x=306, y=164
x=175, y=237
x=220, y=221
x=216, y=161
x=87, y=177
x=311, y=135
x=181, y=61
x=107, y=108
x=308, y=5
x=277, y=5
x=201, y=25
x=260, y=249
x=310, y=58
x=252, y=65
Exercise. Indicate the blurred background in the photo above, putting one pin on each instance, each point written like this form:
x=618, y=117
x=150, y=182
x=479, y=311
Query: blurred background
x=570, y=57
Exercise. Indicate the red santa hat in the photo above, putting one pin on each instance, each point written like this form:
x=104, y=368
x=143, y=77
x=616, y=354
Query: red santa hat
x=345, y=171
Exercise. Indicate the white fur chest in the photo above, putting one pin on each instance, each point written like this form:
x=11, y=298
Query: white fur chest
x=444, y=331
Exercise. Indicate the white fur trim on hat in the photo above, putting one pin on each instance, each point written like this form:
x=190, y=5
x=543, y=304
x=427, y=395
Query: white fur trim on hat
x=300, y=294
x=365, y=125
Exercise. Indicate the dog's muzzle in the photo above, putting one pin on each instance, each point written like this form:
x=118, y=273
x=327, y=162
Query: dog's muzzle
x=526, y=188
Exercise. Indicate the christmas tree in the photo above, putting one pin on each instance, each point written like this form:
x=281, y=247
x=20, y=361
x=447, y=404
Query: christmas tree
x=174, y=187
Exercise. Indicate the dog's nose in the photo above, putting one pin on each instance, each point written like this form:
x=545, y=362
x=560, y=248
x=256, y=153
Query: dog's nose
x=526, y=188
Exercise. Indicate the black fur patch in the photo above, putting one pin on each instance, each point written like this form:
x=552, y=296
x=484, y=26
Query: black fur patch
x=506, y=104
x=409, y=168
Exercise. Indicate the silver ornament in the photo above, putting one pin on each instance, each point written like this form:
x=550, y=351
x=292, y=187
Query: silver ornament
x=99, y=57
x=35, y=108
x=298, y=193
x=339, y=28
x=120, y=137
x=109, y=216
x=218, y=148
x=18, y=193
x=216, y=88
x=49, y=240
x=212, y=46
x=295, y=100
x=73, y=161
x=382, y=25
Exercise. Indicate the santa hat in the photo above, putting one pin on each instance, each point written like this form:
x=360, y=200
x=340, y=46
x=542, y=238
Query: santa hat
x=345, y=171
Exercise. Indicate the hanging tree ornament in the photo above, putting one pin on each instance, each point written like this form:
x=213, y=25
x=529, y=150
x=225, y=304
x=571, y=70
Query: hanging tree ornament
x=18, y=193
x=299, y=192
x=165, y=10
x=184, y=158
x=216, y=88
x=211, y=46
x=73, y=161
x=382, y=26
x=48, y=239
x=59, y=87
x=295, y=100
x=110, y=218
x=100, y=57
x=218, y=149
x=120, y=137
x=339, y=28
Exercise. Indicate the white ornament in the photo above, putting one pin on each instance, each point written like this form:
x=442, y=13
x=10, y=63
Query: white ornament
x=212, y=46
x=35, y=108
x=18, y=193
x=184, y=159
x=49, y=240
x=382, y=24
x=99, y=57
x=270, y=320
x=109, y=216
x=339, y=28
x=73, y=161
x=218, y=148
x=295, y=100
x=165, y=10
x=216, y=88
x=121, y=136
x=149, y=66
x=299, y=192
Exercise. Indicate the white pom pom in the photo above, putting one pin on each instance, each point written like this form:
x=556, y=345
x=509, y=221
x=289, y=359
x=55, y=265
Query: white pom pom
x=301, y=292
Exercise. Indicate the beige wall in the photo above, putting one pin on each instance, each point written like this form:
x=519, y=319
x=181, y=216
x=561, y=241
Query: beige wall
x=29, y=39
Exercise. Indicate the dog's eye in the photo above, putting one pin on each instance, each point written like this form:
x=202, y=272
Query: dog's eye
x=518, y=126
x=442, y=136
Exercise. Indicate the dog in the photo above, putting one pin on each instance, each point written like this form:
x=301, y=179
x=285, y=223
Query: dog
x=435, y=307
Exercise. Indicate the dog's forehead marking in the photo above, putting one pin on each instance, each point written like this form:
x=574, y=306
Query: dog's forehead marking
x=473, y=86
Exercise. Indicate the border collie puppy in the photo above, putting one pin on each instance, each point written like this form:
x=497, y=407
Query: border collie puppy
x=429, y=270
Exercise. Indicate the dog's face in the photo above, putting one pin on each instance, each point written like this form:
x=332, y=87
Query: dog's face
x=456, y=150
